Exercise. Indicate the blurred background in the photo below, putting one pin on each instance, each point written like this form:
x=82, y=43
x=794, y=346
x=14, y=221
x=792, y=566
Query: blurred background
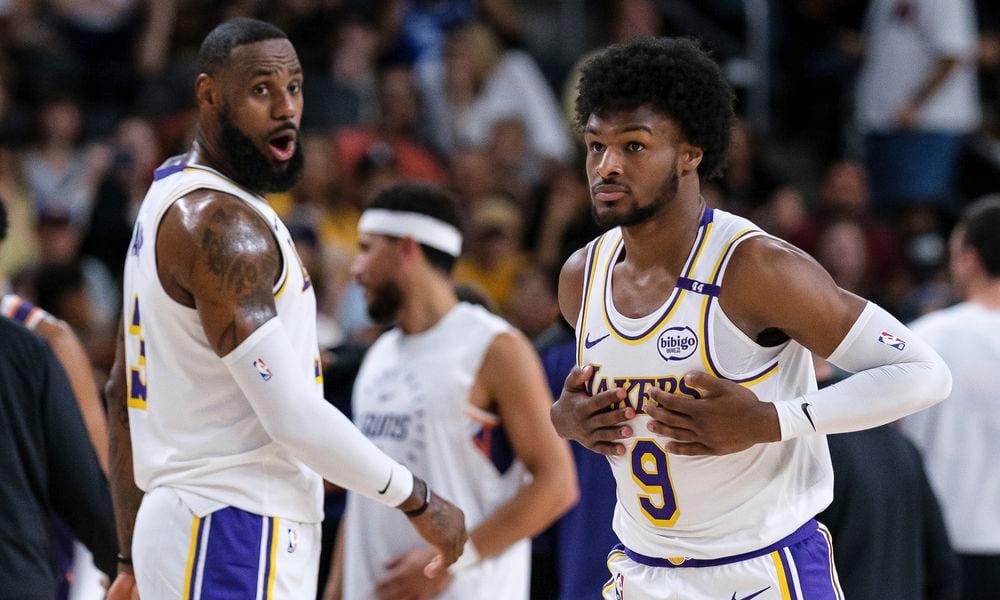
x=478, y=96
x=864, y=127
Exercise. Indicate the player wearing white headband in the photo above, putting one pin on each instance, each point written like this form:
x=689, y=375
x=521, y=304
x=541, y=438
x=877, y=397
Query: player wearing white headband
x=457, y=393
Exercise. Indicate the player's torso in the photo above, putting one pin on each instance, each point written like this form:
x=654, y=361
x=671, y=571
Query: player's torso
x=192, y=428
x=412, y=399
x=698, y=507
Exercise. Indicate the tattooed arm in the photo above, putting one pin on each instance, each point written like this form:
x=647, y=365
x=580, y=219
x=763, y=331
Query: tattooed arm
x=216, y=254
x=125, y=496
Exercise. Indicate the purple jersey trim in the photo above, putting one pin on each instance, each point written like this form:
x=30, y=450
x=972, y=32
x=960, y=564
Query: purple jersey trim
x=164, y=172
x=706, y=218
x=795, y=537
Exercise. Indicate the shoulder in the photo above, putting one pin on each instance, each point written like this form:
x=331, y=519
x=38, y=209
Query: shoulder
x=571, y=279
x=508, y=358
x=213, y=220
x=762, y=261
x=206, y=208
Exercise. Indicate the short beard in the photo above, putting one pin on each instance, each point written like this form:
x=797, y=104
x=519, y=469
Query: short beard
x=386, y=301
x=252, y=169
x=640, y=214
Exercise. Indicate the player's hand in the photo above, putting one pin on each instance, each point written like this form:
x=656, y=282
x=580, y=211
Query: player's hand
x=589, y=420
x=405, y=579
x=727, y=418
x=442, y=525
x=123, y=587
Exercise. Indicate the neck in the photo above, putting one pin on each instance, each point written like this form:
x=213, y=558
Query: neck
x=667, y=237
x=208, y=151
x=985, y=293
x=427, y=302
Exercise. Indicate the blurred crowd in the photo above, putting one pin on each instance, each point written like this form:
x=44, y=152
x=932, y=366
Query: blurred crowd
x=478, y=96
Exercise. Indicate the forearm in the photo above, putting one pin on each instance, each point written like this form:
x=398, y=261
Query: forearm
x=535, y=506
x=294, y=414
x=895, y=374
x=74, y=359
x=938, y=74
x=125, y=495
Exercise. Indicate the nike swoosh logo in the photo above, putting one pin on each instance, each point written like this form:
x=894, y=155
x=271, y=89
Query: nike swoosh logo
x=590, y=344
x=805, y=409
x=386, y=488
x=753, y=595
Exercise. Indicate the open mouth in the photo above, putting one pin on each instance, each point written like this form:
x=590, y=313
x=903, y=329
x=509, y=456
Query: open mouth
x=282, y=146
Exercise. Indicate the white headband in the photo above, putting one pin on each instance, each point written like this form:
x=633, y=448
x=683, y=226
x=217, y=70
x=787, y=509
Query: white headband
x=425, y=229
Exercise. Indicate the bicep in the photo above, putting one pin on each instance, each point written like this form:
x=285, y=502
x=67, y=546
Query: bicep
x=233, y=260
x=773, y=284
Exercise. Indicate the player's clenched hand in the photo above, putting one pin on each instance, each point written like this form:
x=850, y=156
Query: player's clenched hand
x=405, y=579
x=442, y=525
x=576, y=415
x=727, y=418
x=123, y=588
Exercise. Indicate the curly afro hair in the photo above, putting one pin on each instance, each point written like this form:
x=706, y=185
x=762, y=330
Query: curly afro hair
x=672, y=75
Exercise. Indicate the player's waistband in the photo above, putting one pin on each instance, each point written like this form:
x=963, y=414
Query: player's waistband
x=793, y=538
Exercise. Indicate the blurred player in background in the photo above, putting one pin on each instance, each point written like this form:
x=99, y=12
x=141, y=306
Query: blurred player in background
x=455, y=392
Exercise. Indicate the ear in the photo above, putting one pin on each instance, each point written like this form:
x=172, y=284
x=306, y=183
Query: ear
x=206, y=91
x=688, y=158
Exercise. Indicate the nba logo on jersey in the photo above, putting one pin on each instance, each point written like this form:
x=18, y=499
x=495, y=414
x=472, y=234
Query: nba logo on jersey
x=892, y=341
x=262, y=369
x=619, y=587
x=677, y=343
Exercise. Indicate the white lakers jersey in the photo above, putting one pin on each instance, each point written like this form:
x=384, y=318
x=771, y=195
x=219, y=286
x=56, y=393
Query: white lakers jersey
x=411, y=398
x=191, y=427
x=680, y=507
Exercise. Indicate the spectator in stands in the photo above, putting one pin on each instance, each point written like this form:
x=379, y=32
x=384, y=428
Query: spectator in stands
x=399, y=125
x=917, y=97
x=492, y=257
x=484, y=84
x=61, y=175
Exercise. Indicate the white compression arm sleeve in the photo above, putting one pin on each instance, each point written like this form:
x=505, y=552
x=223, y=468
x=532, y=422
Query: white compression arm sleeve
x=295, y=415
x=895, y=374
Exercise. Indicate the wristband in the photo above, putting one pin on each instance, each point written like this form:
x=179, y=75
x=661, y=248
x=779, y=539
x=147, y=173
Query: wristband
x=124, y=560
x=416, y=512
x=470, y=557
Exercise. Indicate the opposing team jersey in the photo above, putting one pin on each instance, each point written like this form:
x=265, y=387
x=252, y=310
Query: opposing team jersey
x=707, y=507
x=192, y=428
x=411, y=398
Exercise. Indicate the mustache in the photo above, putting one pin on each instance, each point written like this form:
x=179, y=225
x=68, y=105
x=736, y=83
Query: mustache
x=288, y=126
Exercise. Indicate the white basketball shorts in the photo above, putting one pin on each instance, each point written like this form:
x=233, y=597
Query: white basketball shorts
x=229, y=553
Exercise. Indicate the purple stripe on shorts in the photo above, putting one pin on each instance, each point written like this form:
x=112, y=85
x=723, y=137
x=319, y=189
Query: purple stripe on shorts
x=232, y=556
x=800, y=534
x=812, y=564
